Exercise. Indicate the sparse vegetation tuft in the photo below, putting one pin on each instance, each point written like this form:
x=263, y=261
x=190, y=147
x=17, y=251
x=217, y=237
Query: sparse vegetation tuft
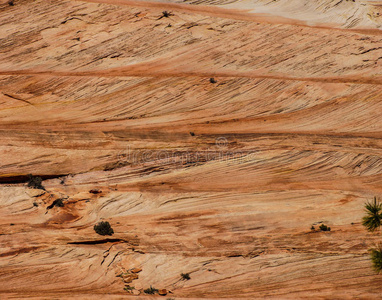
x=166, y=14
x=185, y=276
x=58, y=203
x=103, y=228
x=323, y=227
x=150, y=291
x=35, y=182
x=212, y=80
x=373, y=218
x=376, y=258
x=11, y=2
x=95, y=191
x=372, y=221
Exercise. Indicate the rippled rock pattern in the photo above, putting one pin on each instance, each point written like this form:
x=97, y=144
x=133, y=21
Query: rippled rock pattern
x=211, y=139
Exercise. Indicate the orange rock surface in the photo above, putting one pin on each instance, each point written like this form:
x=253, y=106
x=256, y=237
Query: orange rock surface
x=113, y=104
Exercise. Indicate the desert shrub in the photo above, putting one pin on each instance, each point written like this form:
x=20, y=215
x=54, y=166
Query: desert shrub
x=323, y=227
x=312, y=228
x=95, y=191
x=373, y=218
x=58, y=202
x=212, y=80
x=35, y=182
x=150, y=291
x=11, y=2
x=372, y=221
x=166, y=14
x=185, y=276
x=376, y=258
x=103, y=228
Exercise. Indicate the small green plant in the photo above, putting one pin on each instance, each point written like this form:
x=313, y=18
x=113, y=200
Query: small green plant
x=103, y=228
x=58, y=203
x=35, y=182
x=372, y=221
x=95, y=191
x=373, y=218
x=185, y=276
x=376, y=258
x=165, y=14
x=312, y=228
x=129, y=288
x=150, y=290
x=323, y=227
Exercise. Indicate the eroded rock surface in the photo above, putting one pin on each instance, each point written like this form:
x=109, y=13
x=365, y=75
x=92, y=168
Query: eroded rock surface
x=112, y=104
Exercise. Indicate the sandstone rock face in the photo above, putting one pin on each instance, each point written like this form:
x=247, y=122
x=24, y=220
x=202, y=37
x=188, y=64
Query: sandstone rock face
x=211, y=138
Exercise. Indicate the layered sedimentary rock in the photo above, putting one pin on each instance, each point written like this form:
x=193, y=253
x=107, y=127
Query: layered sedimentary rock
x=211, y=137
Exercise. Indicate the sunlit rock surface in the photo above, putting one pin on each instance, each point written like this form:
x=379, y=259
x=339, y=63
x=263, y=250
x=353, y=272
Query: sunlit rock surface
x=211, y=138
